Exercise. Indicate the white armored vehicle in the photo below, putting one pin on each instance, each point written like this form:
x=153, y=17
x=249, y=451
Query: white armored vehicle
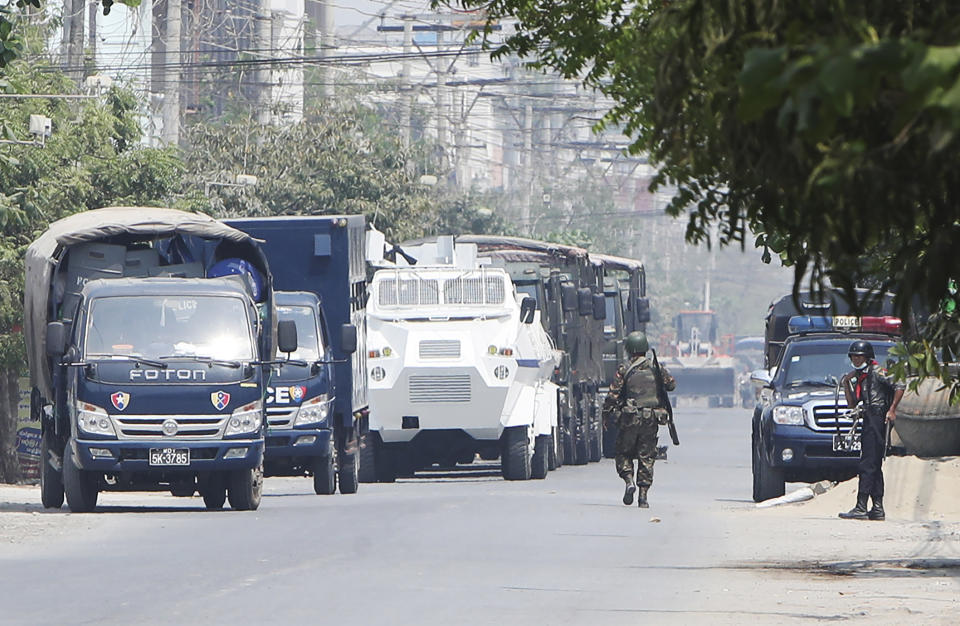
x=459, y=366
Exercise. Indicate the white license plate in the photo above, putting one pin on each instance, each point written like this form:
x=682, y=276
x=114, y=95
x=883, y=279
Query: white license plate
x=846, y=321
x=846, y=443
x=169, y=456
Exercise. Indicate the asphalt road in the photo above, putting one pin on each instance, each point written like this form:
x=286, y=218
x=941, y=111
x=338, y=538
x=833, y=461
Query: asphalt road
x=466, y=547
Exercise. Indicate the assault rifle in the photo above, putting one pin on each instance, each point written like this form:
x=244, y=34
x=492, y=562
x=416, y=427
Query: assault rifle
x=664, y=399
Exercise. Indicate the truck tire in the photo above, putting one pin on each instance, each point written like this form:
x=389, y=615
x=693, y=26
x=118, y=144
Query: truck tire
x=245, y=489
x=324, y=475
x=596, y=444
x=768, y=481
x=213, y=490
x=80, y=487
x=581, y=449
x=610, y=441
x=385, y=465
x=183, y=489
x=51, y=478
x=553, y=456
x=367, y=472
x=540, y=463
x=515, y=453
x=348, y=472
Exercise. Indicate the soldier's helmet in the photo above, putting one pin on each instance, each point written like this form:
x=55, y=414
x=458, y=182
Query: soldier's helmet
x=636, y=343
x=861, y=348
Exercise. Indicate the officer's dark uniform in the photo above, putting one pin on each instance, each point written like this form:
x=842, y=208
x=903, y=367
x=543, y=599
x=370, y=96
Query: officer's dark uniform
x=876, y=390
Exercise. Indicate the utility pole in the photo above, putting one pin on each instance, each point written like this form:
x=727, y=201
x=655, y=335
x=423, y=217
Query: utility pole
x=92, y=34
x=327, y=45
x=528, y=164
x=75, y=45
x=171, y=81
x=441, y=100
x=406, y=82
x=262, y=38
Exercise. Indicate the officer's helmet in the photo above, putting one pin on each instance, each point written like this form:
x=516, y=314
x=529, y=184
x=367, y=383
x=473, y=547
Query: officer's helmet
x=861, y=348
x=636, y=343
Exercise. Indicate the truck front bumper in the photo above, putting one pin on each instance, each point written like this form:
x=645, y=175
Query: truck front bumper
x=807, y=450
x=133, y=456
x=290, y=443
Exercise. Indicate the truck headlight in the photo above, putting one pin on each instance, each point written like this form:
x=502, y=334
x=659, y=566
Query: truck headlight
x=788, y=415
x=245, y=420
x=93, y=420
x=313, y=411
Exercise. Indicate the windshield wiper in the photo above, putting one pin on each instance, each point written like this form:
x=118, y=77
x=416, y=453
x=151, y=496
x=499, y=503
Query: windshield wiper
x=128, y=357
x=204, y=359
x=813, y=383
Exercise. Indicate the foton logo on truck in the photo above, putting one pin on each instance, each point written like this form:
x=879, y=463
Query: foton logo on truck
x=181, y=375
x=285, y=395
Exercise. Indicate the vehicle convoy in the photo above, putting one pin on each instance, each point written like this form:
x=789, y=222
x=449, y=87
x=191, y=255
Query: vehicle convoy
x=317, y=401
x=150, y=334
x=799, y=424
x=459, y=366
x=568, y=288
x=701, y=367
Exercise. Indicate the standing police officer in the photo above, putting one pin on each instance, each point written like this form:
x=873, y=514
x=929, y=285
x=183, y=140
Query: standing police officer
x=870, y=386
x=633, y=398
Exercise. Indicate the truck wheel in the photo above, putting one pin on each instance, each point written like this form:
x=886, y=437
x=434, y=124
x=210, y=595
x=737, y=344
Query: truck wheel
x=767, y=481
x=324, y=475
x=183, y=489
x=540, y=464
x=246, y=487
x=51, y=478
x=596, y=445
x=580, y=448
x=348, y=474
x=385, y=465
x=367, y=472
x=515, y=453
x=610, y=442
x=213, y=489
x=81, y=487
x=553, y=458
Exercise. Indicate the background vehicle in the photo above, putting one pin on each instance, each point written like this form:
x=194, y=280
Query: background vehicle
x=700, y=362
x=146, y=368
x=323, y=256
x=801, y=405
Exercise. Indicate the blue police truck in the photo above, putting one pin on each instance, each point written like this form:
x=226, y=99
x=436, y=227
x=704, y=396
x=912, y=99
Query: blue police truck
x=317, y=403
x=150, y=333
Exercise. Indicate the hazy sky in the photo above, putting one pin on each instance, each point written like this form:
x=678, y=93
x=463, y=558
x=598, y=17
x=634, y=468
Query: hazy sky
x=356, y=12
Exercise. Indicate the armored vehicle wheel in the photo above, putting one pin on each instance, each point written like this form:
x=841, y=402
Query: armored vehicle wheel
x=51, y=478
x=768, y=481
x=367, y=472
x=213, y=489
x=348, y=473
x=245, y=489
x=515, y=453
x=80, y=487
x=540, y=464
x=324, y=475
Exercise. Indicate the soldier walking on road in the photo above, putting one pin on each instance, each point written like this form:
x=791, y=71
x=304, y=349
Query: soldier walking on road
x=632, y=402
x=870, y=386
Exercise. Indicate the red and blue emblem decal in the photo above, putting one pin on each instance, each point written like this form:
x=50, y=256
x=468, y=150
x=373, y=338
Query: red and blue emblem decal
x=120, y=400
x=220, y=399
x=297, y=392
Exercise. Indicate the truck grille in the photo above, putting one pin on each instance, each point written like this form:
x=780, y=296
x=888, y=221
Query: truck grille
x=440, y=349
x=188, y=426
x=280, y=417
x=452, y=388
x=825, y=418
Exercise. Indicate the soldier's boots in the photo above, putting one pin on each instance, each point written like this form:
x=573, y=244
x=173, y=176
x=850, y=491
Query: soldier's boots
x=859, y=511
x=876, y=513
x=642, y=497
x=628, y=490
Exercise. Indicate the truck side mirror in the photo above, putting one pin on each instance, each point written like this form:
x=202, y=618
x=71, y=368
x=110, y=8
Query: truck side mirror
x=527, y=308
x=287, y=336
x=599, y=306
x=348, y=338
x=643, y=310
x=762, y=377
x=56, y=339
x=584, y=301
x=568, y=297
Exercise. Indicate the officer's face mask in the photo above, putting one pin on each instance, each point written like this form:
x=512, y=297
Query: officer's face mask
x=860, y=367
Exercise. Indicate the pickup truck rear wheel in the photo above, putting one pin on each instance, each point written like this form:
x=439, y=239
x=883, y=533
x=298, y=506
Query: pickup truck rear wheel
x=515, y=453
x=768, y=481
x=324, y=475
x=540, y=464
x=51, y=478
x=245, y=489
x=81, y=487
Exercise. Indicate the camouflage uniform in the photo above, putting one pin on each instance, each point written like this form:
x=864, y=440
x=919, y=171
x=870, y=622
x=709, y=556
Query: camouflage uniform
x=633, y=402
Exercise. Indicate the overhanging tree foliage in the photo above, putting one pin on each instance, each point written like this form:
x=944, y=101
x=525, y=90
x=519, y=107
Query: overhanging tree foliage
x=830, y=126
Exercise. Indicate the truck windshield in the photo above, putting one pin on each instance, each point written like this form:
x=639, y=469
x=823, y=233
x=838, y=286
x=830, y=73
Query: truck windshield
x=309, y=341
x=821, y=364
x=216, y=327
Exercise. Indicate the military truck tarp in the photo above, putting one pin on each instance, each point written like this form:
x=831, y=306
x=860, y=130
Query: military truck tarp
x=115, y=224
